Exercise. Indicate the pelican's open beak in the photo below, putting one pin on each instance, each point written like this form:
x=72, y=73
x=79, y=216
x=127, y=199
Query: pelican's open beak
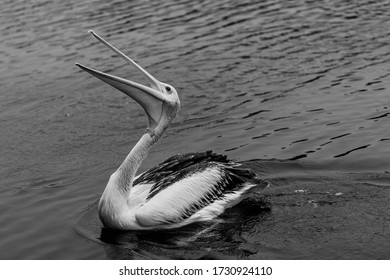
x=150, y=98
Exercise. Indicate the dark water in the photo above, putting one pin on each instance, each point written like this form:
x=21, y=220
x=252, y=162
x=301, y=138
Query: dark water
x=296, y=90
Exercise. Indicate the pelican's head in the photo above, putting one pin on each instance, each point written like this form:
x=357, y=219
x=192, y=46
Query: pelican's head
x=159, y=100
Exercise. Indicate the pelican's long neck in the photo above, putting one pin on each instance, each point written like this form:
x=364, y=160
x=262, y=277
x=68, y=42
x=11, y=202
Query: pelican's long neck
x=126, y=172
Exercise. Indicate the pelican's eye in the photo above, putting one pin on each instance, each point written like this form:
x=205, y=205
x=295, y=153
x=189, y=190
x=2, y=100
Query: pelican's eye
x=168, y=89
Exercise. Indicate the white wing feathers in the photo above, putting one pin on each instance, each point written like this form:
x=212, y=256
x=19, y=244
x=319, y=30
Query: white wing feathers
x=170, y=205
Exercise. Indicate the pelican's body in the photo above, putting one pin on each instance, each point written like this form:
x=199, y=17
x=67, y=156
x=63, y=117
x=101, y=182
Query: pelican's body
x=181, y=190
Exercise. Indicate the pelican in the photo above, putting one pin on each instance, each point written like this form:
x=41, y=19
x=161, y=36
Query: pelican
x=185, y=188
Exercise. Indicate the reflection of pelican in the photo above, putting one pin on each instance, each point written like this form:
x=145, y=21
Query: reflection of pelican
x=181, y=190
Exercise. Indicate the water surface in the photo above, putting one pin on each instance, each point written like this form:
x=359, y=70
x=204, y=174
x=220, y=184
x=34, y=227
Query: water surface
x=296, y=90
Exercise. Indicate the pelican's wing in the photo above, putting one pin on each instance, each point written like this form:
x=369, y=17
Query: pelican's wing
x=183, y=192
x=172, y=167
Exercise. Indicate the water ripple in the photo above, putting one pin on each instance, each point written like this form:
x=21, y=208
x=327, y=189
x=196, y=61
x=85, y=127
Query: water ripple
x=301, y=80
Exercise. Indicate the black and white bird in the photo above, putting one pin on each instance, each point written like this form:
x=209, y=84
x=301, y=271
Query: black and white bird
x=185, y=188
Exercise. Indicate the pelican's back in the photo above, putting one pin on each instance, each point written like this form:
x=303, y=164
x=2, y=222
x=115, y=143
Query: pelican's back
x=193, y=187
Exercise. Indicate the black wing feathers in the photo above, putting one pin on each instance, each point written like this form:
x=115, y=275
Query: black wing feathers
x=180, y=166
x=176, y=163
